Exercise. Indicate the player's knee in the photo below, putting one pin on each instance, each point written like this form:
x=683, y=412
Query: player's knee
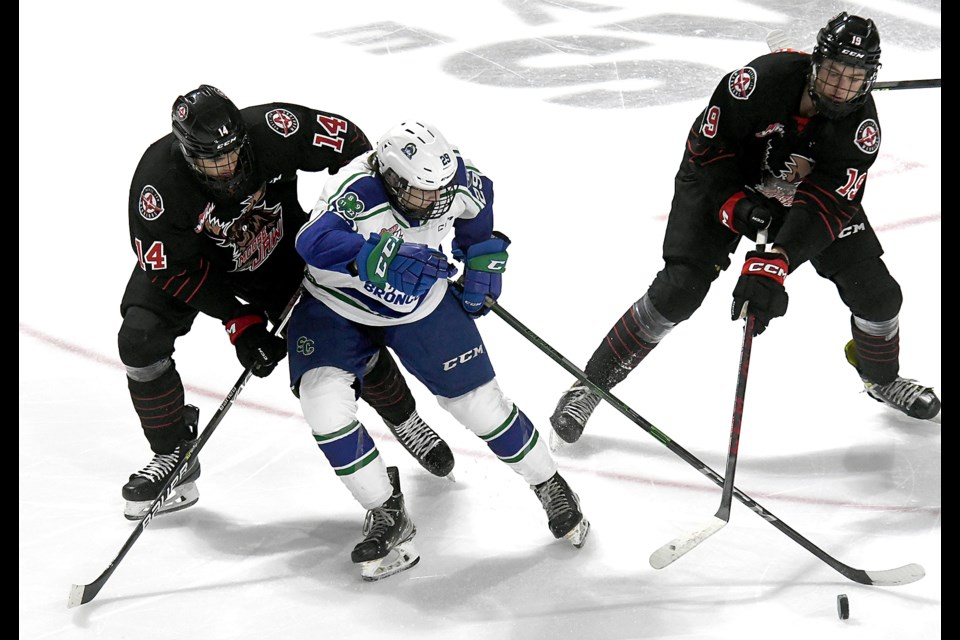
x=143, y=338
x=870, y=291
x=680, y=288
x=328, y=399
x=480, y=410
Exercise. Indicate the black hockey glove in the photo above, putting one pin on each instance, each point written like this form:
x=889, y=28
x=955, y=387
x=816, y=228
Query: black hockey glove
x=760, y=289
x=255, y=346
x=747, y=212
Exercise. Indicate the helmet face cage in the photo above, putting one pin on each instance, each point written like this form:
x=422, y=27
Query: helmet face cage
x=419, y=204
x=419, y=170
x=214, y=141
x=845, y=65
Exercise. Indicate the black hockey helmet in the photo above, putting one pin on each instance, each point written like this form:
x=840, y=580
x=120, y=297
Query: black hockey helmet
x=214, y=141
x=852, y=44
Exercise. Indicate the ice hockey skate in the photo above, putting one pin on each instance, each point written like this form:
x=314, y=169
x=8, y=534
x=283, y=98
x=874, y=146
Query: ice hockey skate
x=144, y=485
x=570, y=417
x=903, y=394
x=425, y=445
x=563, y=510
x=388, y=531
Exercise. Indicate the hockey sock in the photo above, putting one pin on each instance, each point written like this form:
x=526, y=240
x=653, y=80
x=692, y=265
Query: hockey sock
x=878, y=349
x=159, y=404
x=386, y=391
x=627, y=343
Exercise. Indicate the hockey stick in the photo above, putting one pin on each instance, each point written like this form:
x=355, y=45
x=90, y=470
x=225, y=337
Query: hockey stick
x=683, y=544
x=777, y=40
x=883, y=578
x=932, y=83
x=84, y=593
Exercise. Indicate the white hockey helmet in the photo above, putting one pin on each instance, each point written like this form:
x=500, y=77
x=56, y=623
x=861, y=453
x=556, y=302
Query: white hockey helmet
x=419, y=169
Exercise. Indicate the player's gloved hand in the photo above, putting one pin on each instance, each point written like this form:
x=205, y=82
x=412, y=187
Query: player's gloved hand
x=408, y=267
x=485, y=263
x=760, y=289
x=256, y=347
x=747, y=212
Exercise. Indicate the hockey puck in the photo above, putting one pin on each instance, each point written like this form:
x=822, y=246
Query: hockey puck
x=843, y=606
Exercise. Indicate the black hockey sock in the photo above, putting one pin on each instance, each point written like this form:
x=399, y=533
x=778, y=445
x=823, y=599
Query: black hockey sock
x=386, y=391
x=159, y=404
x=879, y=357
x=620, y=352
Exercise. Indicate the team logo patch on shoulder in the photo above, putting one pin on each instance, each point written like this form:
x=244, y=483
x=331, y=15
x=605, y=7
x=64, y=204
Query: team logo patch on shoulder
x=150, y=204
x=868, y=136
x=742, y=82
x=350, y=206
x=283, y=122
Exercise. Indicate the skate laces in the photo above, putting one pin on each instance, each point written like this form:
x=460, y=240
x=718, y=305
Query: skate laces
x=580, y=403
x=378, y=522
x=417, y=436
x=902, y=392
x=554, y=497
x=161, y=465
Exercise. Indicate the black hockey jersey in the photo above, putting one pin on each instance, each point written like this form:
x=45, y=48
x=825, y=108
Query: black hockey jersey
x=752, y=135
x=208, y=252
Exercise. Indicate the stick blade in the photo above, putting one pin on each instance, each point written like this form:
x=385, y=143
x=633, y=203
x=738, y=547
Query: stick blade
x=777, y=40
x=84, y=593
x=906, y=574
x=75, y=599
x=681, y=545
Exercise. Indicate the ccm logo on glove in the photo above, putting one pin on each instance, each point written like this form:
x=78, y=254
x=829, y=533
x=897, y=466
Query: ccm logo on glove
x=388, y=247
x=762, y=267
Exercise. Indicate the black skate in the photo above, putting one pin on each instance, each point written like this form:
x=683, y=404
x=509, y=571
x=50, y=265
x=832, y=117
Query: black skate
x=903, y=394
x=424, y=444
x=144, y=485
x=570, y=417
x=388, y=530
x=563, y=510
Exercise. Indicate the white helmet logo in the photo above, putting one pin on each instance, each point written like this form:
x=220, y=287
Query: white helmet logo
x=409, y=150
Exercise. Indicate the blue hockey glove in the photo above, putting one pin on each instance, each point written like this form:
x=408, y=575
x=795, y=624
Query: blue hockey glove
x=485, y=263
x=406, y=266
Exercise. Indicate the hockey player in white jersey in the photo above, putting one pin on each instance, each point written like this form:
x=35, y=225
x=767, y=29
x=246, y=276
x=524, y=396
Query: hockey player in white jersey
x=377, y=276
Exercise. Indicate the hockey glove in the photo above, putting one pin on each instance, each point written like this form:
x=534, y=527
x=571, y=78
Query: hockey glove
x=485, y=263
x=746, y=212
x=760, y=289
x=256, y=348
x=408, y=267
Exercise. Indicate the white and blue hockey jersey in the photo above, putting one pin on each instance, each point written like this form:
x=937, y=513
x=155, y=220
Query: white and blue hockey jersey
x=355, y=204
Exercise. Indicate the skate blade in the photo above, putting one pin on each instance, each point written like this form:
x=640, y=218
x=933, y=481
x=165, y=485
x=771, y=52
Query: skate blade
x=402, y=557
x=936, y=418
x=578, y=535
x=186, y=495
x=451, y=477
x=556, y=443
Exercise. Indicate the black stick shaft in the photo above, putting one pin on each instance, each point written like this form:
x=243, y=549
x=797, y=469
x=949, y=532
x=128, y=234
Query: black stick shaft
x=726, y=498
x=930, y=83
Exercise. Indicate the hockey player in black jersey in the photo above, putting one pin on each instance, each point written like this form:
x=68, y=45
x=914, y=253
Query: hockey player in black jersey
x=783, y=147
x=213, y=213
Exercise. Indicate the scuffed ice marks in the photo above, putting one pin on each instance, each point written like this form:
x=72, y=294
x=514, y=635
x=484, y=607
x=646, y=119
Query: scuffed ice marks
x=606, y=56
